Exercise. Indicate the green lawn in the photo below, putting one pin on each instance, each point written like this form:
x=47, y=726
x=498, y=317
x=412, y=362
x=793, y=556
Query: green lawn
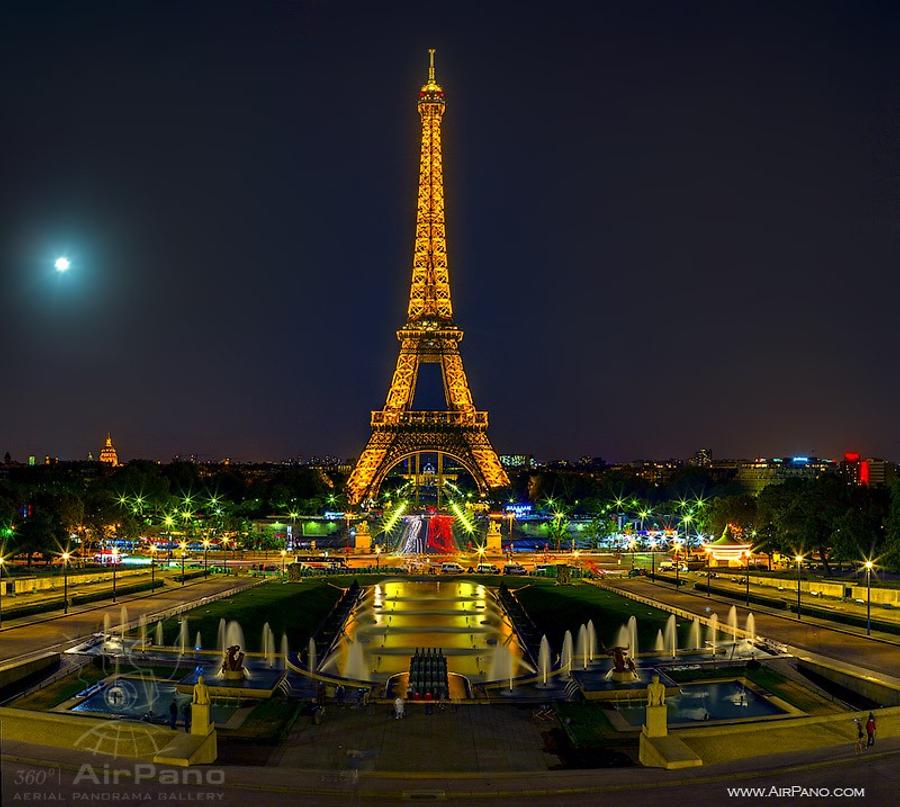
x=294, y=608
x=556, y=609
x=587, y=725
x=59, y=691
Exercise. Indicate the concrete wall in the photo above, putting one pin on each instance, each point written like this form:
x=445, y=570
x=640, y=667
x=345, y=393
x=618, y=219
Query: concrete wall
x=867, y=687
x=12, y=674
x=27, y=585
x=115, y=737
x=879, y=595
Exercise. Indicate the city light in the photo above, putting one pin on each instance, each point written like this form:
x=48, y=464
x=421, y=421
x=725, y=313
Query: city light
x=62, y=264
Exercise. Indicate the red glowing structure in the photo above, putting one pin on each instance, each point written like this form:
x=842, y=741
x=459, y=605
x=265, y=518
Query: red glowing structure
x=440, y=535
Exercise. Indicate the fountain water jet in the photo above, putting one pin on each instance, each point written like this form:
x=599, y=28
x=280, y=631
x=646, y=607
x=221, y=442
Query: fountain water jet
x=198, y=644
x=123, y=624
x=268, y=645
x=220, y=636
x=158, y=634
x=591, y=640
x=234, y=635
x=355, y=665
x=311, y=656
x=544, y=661
x=671, y=636
x=694, y=642
x=106, y=628
x=142, y=631
x=732, y=622
x=565, y=658
x=582, y=646
x=660, y=646
x=284, y=650
x=712, y=634
x=622, y=638
x=183, y=639
x=632, y=637
x=751, y=630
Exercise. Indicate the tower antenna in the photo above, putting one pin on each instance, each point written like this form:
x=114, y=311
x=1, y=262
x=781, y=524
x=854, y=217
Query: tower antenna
x=431, y=66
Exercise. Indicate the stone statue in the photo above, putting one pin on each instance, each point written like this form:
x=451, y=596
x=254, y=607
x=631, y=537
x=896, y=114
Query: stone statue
x=656, y=692
x=234, y=660
x=201, y=693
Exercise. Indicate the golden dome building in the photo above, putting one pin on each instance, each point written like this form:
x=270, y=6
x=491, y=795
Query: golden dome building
x=108, y=453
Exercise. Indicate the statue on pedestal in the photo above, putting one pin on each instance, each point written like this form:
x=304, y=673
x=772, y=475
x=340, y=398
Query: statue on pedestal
x=200, y=709
x=656, y=723
x=656, y=692
x=201, y=693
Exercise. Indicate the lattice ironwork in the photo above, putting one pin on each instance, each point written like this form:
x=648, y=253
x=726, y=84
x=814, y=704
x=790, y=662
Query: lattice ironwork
x=429, y=336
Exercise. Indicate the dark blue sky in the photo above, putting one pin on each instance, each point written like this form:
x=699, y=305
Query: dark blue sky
x=670, y=224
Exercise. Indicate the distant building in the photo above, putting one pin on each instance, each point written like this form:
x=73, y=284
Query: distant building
x=702, y=458
x=108, y=454
x=858, y=471
x=756, y=474
x=517, y=461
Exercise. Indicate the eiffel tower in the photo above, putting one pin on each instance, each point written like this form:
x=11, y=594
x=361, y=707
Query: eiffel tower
x=458, y=431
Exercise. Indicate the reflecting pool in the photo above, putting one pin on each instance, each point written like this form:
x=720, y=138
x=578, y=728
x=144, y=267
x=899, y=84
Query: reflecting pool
x=729, y=700
x=461, y=618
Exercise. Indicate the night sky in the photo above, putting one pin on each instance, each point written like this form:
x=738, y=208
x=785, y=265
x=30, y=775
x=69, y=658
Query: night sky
x=671, y=225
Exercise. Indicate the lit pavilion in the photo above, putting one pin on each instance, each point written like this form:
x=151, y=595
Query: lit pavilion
x=108, y=453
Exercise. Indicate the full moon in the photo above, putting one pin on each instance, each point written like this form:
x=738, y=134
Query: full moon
x=62, y=264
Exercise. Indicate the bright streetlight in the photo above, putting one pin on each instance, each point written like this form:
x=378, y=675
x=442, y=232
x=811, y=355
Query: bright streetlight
x=869, y=566
x=283, y=555
x=183, y=553
x=2, y=561
x=152, y=567
x=206, y=557
x=799, y=559
x=62, y=264
x=65, y=557
x=115, y=562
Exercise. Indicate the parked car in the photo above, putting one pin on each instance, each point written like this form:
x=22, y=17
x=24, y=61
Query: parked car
x=487, y=568
x=514, y=568
x=451, y=568
x=544, y=570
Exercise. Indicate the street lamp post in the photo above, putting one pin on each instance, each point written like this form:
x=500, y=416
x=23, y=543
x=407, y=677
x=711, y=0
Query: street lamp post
x=152, y=567
x=869, y=566
x=708, y=572
x=183, y=553
x=115, y=563
x=747, y=565
x=225, y=555
x=206, y=558
x=653, y=560
x=2, y=561
x=283, y=555
x=677, y=543
x=65, y=557
x=377, y=556
x=799, y=560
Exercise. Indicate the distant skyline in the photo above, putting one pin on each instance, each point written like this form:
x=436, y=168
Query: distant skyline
x=669, y=227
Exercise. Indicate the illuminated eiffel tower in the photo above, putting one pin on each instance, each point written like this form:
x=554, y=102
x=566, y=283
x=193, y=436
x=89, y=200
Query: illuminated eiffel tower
x=459, y=431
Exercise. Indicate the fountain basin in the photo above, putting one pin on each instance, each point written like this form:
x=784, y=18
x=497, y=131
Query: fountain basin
x=261, y=683
x=596, y=684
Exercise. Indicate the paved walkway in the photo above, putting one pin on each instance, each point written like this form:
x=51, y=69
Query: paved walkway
x=474, y=738
x=32, y=773
x=56, y=632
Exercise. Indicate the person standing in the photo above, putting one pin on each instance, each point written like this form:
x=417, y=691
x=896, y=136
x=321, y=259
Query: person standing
x=173, y=714
x=860, y=737
x=870, y=730
x=186, y=714
x=398, y=708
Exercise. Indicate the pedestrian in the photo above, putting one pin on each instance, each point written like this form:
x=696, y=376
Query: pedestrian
x=398, y=708
x=860, y=738
x=870, y=730
x=429, y=703
x=186, y=714
x=173, y=714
